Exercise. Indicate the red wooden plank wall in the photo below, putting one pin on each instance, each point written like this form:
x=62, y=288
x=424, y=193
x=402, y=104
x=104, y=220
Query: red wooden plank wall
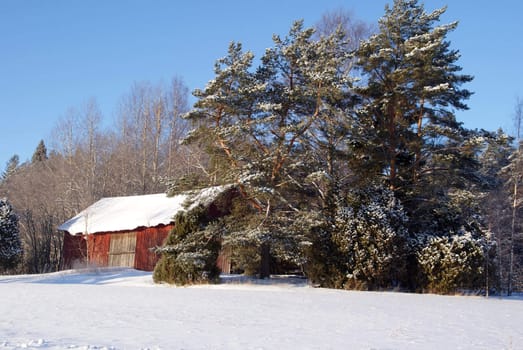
x=98, y=249
x=95, y=249
x=147, y=238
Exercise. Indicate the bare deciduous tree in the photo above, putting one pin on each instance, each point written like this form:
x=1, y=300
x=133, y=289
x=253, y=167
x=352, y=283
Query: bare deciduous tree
x=355, y=30
x=516, y=202
x=87, y=162
x=177, y=103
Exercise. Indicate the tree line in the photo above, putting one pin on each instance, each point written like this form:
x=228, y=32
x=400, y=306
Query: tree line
x=86, y=161
x=351, y=165
x=345, y=151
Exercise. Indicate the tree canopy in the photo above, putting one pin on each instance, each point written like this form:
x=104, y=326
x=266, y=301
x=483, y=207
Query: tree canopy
x=360, y=180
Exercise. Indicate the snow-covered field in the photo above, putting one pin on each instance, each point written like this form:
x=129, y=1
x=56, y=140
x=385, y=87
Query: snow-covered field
x=123, y=309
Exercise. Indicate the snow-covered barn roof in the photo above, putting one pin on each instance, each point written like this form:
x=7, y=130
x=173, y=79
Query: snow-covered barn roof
x=128, y=213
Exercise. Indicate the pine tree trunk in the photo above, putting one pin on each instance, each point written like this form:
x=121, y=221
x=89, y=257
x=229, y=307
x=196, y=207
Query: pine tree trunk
x=392, y=146
x=419, y=144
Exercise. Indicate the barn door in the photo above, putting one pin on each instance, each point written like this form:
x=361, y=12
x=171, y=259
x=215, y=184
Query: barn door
x=122, y=249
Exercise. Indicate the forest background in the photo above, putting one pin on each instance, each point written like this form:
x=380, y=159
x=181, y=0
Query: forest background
x=356, y=140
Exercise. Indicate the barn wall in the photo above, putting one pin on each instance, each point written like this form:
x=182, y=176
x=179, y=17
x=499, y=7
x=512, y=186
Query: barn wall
x=147, y=238
x=98, y=249
x=114, y=248
x=74, y=251
x=122, y=249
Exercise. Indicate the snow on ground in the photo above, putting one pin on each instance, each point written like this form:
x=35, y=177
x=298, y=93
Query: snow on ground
x=123, y=309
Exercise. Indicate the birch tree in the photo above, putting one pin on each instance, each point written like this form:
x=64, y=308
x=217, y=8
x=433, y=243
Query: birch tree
x=515, y=169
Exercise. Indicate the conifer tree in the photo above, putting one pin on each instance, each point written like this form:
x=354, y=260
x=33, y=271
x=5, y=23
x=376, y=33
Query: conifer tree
x=10, y=243
x=190, y=252
x=371, y=234
x=412, y=85
x=516, y=168
x=11, y=167
x=264, y=125
x=40, y=153
x=407, y=132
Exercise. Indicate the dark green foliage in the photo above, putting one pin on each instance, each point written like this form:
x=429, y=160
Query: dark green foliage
x=191, y=250
x=10, y=243
x=408, y=138
x=372, y=236
x=453, y=263
x=245, y=248
x=411, y=81
x=505, y=210
x=325, y=264
x=366, y=245
x=246, y=259
x=282, y=237
x=40, y=153
x=263, y=127
x=329, y=169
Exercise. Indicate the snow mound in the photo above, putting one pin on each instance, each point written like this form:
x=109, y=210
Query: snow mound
x=93, y=276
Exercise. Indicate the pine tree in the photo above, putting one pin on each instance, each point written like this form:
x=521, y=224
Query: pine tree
x=40, y=153
x=263, y=126
x=10, y=243
x=447, y=212
x=407, y=132
x=11, y=167
x=494, y=158
x=516, y=168
x=412, y=82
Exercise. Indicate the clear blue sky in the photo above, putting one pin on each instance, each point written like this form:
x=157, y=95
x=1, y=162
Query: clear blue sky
x=57, y=54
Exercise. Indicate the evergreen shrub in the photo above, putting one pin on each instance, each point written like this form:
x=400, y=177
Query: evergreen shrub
x=453, y=263
x=10, y=244
x=325, y=266
x=371, y=235
x=191, y=251
x=246, y=259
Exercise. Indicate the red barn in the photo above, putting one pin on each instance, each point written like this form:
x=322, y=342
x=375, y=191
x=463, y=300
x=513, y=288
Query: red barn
x=120, y=231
